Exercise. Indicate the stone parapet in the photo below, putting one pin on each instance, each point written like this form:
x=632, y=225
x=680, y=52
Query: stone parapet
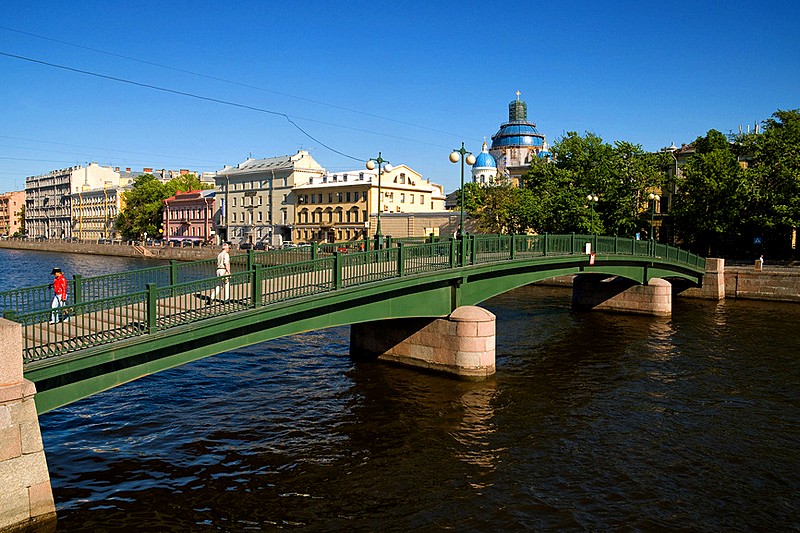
x=26, y=497
x=462, y=344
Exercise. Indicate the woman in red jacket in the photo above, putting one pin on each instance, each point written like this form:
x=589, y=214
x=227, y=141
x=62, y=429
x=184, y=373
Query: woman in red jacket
x=60, y=297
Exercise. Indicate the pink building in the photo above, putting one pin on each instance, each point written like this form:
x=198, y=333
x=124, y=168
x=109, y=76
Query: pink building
x=189, y=215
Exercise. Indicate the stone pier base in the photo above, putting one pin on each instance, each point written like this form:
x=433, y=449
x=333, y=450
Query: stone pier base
x=26, y=498
x=462, y=344
x=592, y=292
x=713, y=282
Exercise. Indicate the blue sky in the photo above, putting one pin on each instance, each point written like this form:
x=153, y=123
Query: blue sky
x=411, y=80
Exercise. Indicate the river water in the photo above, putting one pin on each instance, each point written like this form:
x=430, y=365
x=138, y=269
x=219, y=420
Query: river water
x=592, y=422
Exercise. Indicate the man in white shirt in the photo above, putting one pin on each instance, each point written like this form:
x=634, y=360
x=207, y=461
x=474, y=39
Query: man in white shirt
x=223, y=271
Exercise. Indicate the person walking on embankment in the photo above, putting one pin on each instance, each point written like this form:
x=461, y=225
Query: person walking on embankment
x=59, y=297
x=223, y=272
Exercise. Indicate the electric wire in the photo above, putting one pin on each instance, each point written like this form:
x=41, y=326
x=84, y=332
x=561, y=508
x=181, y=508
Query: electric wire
x=224, y=80
x=182, y=93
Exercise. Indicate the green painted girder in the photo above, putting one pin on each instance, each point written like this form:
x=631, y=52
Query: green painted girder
x=70, y=377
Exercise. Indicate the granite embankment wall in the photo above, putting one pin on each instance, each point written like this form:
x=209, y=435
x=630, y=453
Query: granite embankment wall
x=120, y=250
x=772, y=283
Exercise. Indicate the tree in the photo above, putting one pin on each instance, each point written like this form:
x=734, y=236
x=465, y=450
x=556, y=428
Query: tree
x=185, y=182
x=584, y=165
x=711, y=196
x=144, y=203
x=142, y=211
x=506, y=209
x=773, y=177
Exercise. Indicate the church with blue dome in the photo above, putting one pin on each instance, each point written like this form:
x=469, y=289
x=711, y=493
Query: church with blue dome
x=514, y=147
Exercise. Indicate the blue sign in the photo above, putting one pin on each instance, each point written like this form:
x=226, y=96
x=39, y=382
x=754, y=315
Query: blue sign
x=756, y=240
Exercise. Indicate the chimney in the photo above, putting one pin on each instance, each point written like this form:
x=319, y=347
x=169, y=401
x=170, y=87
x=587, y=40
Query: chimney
x=147, y=170
x=127, y=169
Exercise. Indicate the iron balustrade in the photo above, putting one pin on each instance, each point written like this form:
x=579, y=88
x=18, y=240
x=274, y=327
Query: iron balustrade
x=159, y=298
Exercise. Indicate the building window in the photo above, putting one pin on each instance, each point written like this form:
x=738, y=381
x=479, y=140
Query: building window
x=347, y=197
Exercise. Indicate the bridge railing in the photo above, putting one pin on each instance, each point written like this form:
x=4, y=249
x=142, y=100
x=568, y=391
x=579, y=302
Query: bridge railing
x=164, y=297
x=295, y=280
x=75, y=327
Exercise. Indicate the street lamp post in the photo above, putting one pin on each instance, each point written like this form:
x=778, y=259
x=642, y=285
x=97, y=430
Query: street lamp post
x=592, y=199
x=382, y=164
x=464, y=155
x=653, y=199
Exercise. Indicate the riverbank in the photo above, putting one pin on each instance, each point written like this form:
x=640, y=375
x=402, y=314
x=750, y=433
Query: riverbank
x=119, y=250
x=781, y=284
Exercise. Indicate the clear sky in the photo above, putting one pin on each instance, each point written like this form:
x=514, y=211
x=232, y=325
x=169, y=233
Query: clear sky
x=410, y=79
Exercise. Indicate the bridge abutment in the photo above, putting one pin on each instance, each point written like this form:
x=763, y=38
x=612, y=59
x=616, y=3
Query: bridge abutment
x=618, y=294
x=26, y=497
x=713, y=282
x=463, y=344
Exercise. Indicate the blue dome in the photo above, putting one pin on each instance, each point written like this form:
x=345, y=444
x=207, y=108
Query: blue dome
x=544, y=153
x=517, y=134
x=484, y=160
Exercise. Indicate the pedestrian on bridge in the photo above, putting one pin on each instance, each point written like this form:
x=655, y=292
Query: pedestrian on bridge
x=59, y=297
x=223, y=272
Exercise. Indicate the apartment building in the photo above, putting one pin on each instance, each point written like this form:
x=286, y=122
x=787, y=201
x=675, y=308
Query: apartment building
x=190, y=215
x=11, y=212
x=255, y=198
x=344, y=206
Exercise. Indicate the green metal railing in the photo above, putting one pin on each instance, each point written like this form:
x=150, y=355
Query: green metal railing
x=114, y=307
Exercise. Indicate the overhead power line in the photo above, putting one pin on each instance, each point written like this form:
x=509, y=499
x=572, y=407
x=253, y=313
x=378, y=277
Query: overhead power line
x=224, y=80
x=182, y=93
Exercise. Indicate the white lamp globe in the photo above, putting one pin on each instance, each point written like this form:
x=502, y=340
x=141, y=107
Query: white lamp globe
x=470, y=159
x=454, y=157
x=370, y=165
x=387, y=167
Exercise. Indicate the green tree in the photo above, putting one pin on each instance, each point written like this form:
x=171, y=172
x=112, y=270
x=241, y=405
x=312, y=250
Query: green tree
x=505, y=209
x=185, y=182
x=773, y=176
x=711, y=198
x=620, y=175
x=144, y=203
x=142, y=209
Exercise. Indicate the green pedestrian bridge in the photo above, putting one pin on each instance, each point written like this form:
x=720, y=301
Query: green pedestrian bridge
x=123, y=326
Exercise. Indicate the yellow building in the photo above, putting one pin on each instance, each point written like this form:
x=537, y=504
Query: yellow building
x=94, y=212
x=343, y=206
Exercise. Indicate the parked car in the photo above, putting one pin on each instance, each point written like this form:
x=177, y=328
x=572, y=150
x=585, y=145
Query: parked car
x=101, y=240
x=246, y=246
x=187, y=243
x=288, y=244
x=40, y=238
